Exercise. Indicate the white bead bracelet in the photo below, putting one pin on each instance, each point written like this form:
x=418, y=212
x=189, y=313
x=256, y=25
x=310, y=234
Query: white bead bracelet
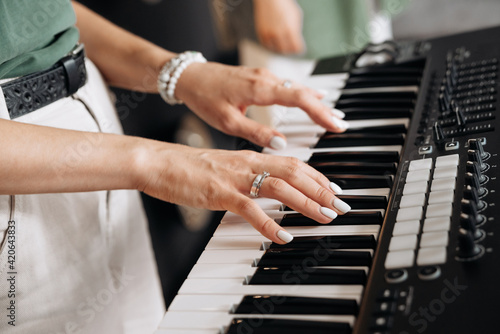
x=171, y=72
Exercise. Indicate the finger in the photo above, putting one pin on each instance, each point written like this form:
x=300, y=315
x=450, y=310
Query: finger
x=282, y=191
x=311, y=104
x=253, y=214
x=257, y=133
x=308, y=181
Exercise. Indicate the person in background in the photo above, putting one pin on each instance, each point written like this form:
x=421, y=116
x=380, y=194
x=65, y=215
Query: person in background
x=75, y=253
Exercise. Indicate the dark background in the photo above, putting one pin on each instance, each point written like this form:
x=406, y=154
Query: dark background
x=176, y=26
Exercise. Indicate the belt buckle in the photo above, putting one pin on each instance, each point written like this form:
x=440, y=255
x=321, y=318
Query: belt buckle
x=71, y=69
x=76, y=50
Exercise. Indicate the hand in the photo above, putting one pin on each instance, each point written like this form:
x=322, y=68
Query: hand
x=220, y=94
x=278, y=24
x=221, y=180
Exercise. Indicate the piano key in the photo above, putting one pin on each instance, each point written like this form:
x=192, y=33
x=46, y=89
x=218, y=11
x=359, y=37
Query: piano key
x=346, y=181
x=374, y=101
x=237, y=286
x=350, y=218
x=365, y=168
x=306, y=276
x=377, y=90
x=187, y=331
x=381, y=94
x=296, y=305
x=369, y=81
x=385, y=70
x=332, y=242
x=216, y=320
x=322, y=257
x=245, y=229
x=358, y=202
x=355, y=156
x=355, y=113
x=278, y=326
x=241, y=271
x=384, y=129
x=369, y=192
x=358, y=139
x=261, y=242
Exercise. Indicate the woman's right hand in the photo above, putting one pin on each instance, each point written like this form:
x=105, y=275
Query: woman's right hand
x=221, y=180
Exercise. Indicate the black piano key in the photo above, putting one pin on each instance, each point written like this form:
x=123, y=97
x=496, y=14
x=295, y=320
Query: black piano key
x=364, y=202
x=358, y=139
x=383, y=129
x=386, y=70
x=307, y=276
x=331, y=242
x=355, y=156
x=350, y=218
x=296, y=305
x=358, y=202
x=361, y=113
x=364, y=81
x=379, y=94
x=366, y=168
x=372, y=102
x=281, y=326
x=314, y=257
x=346, y=181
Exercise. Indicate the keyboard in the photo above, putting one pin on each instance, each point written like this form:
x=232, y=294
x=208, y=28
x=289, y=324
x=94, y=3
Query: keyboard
x=418, y=252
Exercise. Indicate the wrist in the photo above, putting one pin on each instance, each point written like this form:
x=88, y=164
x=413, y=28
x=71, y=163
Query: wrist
x=171, y=72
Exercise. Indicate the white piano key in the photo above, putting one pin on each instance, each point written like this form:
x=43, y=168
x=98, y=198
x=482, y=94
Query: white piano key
x=245, y=229
x=236, y=242
x=233, y=217
x=366, y=123
x=209, y=303
x=228, y=286
x=215, y=320
x=225, y=270
x=187, y=331
x=326, y=81
x=368, y=192
x=242, y=256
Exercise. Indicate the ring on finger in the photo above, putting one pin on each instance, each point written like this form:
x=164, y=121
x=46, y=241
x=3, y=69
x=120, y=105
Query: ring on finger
x=257, y=183
x=287, y=83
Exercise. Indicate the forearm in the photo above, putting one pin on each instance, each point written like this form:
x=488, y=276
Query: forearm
x=125, y=60
x=38, y=159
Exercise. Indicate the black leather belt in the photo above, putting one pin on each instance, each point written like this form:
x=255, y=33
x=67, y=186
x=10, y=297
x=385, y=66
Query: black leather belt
x=31, y=92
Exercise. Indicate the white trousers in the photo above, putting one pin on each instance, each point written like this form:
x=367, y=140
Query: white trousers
x=77, y=262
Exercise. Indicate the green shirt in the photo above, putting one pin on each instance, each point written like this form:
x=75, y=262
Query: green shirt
x=34, y=35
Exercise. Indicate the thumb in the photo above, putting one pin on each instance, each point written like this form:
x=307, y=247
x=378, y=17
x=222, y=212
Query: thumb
x=258, y=133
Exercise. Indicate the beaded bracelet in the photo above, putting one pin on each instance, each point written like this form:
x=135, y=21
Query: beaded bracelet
x=171, y=72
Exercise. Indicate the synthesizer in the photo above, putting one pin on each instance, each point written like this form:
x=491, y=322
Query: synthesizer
x=418, y=253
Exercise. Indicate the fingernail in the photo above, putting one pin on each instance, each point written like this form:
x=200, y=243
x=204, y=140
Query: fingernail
x=341, y=205
x=340, y=123
x=328, y=212
x=278, y=143
x=285, y=236
x=323, y=92
x=336, y=189
x=338, y=113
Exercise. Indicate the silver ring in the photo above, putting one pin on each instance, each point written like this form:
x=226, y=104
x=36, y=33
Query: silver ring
x=287, y=83
x=257, y=183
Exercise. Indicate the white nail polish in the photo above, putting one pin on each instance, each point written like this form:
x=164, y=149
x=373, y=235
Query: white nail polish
x=341, y=205
x=340, y=123
x=338, y=113
x=278, y=143
x=285, y=236
x=323, y=92
x=336, y=189
x=328, y=212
